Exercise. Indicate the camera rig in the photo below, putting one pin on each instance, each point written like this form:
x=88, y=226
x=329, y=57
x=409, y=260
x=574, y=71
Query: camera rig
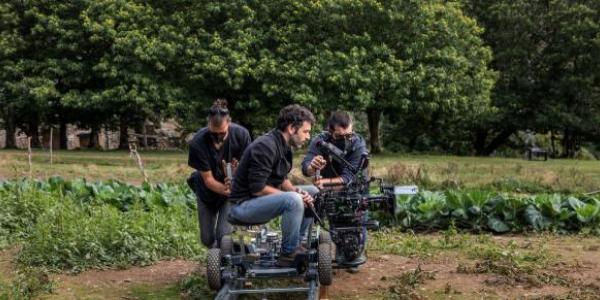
x=345, y=207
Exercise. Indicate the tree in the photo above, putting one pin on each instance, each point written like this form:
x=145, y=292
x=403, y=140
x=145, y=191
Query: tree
x=544, y=52
x=403, y=57
x=135, y=68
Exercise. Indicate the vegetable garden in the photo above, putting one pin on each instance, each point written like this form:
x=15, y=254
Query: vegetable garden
x=62, y=225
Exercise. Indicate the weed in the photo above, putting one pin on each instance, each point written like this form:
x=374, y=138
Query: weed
x=75, y=226
x=404, y=285
x=28, y=283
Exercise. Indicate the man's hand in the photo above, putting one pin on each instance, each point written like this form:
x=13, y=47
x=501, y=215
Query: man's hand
x=234, y=165
x=306, y=197
x=318, y=163
x=318, y=182
x=227, y=183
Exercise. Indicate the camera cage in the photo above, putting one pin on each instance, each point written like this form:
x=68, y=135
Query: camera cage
x=346, y=207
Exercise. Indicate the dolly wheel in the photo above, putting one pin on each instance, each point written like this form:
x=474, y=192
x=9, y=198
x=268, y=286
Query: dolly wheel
x=324, y=266
x=213, y=268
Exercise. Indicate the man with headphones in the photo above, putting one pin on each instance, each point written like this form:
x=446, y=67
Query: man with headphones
x=332, y=172
x=339, y=133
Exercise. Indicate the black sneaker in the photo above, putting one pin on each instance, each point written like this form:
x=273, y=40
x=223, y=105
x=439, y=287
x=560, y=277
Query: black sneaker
x=289, y=259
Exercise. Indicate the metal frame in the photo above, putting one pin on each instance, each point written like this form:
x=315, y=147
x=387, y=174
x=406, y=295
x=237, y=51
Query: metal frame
x=233, y=285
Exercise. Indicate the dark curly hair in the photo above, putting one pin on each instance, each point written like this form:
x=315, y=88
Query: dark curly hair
x=339, y=118
x=294, y=115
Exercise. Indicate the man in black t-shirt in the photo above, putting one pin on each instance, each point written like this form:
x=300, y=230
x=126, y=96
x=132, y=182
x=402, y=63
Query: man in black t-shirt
x=211, y=148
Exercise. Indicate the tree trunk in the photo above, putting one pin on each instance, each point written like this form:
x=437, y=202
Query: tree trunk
x=498, y=141
x=568, y=143
x=11, y=129
x=552, y=144
x=62, y=132
x=106, y=138
x=480, y=138
x=374, y=116
x=93, y=137
x=140, y=128
x=145, y=140
x=123, y=134
x=33, y=132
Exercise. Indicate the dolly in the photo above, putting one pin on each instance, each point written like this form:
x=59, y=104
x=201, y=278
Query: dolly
x=233, y=268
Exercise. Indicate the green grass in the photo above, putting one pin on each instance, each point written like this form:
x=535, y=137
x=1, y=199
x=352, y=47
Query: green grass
x=428, y=171
x=450, y=243
x=150, y=292
x=61, y=229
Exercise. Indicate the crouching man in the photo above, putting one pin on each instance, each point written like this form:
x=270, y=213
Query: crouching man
x=261, y=189
x=334, y=174
x=211, y=148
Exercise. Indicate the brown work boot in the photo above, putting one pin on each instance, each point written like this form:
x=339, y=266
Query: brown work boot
x=289, y=259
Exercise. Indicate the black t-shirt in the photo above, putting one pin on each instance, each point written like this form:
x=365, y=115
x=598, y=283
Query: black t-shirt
x=267, y=161
x=204, y=157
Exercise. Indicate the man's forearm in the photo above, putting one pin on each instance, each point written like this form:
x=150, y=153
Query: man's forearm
x=216, y=186
x=310, y=171
x=333, y=181
x=288, y=186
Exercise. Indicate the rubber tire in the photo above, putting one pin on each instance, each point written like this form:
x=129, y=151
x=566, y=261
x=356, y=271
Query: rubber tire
x=213, y=268
x=226, y=245
x=324, y=237
x=324, y=265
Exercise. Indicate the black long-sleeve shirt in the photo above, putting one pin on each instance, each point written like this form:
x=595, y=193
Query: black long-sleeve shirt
x=267, y=161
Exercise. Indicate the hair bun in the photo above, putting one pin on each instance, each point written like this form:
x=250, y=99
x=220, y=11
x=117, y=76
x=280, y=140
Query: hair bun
x=220, y=103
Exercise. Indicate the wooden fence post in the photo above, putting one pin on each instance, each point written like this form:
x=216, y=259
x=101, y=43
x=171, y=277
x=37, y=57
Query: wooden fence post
x=134, y=154
x=51, y=146
x=29, y=157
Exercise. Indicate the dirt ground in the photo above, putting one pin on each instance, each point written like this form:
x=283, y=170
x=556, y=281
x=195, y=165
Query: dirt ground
x=573, y=274
x=122, y=284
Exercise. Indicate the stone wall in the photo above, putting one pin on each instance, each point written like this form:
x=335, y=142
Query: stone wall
x=78, y=138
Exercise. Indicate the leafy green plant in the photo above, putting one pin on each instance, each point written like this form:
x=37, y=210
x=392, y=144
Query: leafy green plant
x=76, y=225
x=500, y=213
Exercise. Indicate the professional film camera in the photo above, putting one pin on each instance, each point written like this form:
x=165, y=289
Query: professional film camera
x=346, y=208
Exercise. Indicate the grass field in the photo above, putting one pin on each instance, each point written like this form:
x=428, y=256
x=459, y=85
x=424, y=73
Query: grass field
x=431, y=172
x=402, y=265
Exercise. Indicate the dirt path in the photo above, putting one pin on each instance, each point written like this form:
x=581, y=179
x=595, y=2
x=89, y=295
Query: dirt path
x=117, y=284
x=371, y=282
x=573, y=274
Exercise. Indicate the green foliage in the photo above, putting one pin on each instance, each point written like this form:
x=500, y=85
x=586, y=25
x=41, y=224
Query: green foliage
x=500, y=213
x=103, y=236
x=195, y=286
x=28, y=283
x=77, y=225
x=544, y=52
x=96, y=62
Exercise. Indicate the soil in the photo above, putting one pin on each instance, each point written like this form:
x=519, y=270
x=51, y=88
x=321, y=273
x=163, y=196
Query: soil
x=577, y=265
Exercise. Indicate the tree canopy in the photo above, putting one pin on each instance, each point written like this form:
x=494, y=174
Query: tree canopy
x=451, y=76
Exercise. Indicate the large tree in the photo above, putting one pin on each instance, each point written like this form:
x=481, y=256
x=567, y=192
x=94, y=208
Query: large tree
x=544, y=52
x=422, y=58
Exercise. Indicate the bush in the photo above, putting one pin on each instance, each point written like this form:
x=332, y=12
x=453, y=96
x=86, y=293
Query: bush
x=78, y=225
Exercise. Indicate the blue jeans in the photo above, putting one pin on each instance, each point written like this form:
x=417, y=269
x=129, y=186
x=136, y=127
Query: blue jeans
x=288, y=205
